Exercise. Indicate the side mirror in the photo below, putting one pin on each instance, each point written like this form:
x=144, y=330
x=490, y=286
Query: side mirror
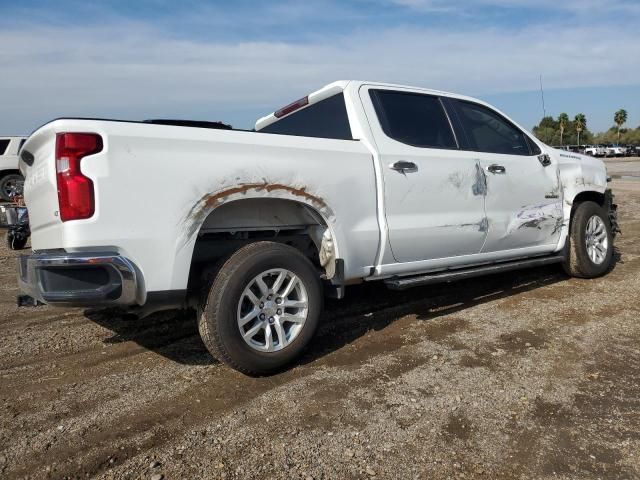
x=545, y=160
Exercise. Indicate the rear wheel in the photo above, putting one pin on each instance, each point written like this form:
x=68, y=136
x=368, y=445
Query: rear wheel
x=589, y=250
x=262, y=309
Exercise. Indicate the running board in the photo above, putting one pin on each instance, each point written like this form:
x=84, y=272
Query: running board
x=402, y=283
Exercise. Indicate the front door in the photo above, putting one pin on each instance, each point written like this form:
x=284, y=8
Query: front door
x=434, y=192
x=523, y=202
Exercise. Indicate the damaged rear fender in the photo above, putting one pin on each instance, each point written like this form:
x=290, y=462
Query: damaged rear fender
x=264, y=206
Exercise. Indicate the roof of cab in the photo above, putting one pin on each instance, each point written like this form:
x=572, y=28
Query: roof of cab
x=340, y=85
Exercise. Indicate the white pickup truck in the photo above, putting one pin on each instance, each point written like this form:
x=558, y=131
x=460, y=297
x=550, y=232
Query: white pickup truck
x=596, y=151
x=615, y=151
x=358, y=181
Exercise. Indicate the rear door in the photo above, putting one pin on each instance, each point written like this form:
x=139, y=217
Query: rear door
x=434, y=192
x=523, y=202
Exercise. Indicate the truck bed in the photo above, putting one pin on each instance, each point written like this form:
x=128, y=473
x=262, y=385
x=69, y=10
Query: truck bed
x=156, y=184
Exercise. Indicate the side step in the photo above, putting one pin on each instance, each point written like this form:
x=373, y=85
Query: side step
x=402, y=283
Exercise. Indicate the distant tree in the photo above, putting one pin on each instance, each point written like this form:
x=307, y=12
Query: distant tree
x=620, y=118
x=563, y=120
x=580, y=123
x=546, y=130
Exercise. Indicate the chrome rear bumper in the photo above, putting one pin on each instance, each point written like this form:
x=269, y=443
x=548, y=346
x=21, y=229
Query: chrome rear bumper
x=80, y=279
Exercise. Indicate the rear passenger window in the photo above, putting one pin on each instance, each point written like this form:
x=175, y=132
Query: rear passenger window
x=487, y=131
x=3, y=146
x=325, y=119
x=21, y=144
x=412, y=118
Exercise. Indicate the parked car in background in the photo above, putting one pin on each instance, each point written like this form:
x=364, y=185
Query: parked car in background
x=356, y=182
x=595, y=151
x=632, y=150
x=615, y=151
x=11, y=179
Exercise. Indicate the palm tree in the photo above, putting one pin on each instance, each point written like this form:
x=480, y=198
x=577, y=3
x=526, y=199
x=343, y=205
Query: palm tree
x=620, y=117
x=563, y=120
x=580, y=121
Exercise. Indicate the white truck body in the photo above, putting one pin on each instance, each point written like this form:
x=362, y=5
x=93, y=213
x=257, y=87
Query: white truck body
x=375, y=207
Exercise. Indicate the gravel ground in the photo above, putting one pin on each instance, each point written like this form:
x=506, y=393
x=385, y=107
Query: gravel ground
x=526, y=375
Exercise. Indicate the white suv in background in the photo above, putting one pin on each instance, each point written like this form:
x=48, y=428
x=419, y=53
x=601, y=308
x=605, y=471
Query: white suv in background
x=10, y=177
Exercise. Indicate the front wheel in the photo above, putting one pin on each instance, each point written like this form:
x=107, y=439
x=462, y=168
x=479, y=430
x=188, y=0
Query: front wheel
x=262, y=309
x=589, y=250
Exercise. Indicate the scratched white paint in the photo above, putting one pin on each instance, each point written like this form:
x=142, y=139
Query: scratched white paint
x=537, y=216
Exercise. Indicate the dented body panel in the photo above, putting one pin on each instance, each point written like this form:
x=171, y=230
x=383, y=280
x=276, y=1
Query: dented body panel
x=159, y=188
x=524, y=205
x=577, y=174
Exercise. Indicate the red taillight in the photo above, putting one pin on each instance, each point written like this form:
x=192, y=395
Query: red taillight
x=75, y=191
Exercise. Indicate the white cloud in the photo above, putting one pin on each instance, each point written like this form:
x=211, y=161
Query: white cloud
x=133, y=71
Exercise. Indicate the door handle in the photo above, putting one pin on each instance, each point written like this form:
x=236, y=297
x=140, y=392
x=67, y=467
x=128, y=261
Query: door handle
x=403, y=166
x=496, y=169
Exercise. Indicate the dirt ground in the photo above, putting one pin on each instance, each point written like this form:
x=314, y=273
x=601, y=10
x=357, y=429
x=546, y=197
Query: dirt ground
x=526, y=375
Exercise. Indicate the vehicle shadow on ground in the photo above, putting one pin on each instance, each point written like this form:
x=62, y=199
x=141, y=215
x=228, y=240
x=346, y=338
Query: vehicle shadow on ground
x=172, y=334
x=369, y=306
x=373, y=307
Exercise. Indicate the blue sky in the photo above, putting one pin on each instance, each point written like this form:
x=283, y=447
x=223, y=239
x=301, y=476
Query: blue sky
x=238, y=60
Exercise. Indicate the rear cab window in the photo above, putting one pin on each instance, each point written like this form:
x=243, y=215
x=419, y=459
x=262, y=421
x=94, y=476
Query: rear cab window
x=325, y=119
x=487, y=131
x=414, y=119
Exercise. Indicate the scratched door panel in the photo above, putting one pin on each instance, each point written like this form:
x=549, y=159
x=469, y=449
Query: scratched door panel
x=438, y=211
x=435, y=208
x=523, y=204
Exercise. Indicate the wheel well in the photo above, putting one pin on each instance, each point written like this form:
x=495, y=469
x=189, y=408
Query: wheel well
x=589, y=196
x=240, y=222
x=4, y=173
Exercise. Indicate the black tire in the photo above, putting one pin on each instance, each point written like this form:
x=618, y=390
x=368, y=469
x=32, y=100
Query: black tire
x=578, y=262
x=218, y=323
x=9, y=183
x=16, y=242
